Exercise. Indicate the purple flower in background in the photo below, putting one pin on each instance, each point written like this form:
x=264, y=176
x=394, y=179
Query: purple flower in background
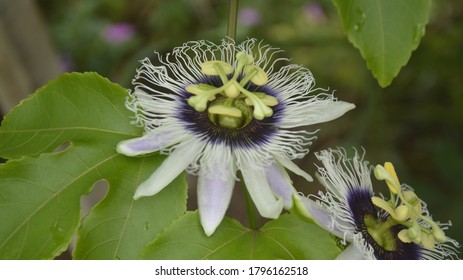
x=66, y=63
x=314, y=12
x=249, y=16
x=118, y=33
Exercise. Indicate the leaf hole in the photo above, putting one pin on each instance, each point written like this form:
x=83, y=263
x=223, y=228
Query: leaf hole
x=87, y=202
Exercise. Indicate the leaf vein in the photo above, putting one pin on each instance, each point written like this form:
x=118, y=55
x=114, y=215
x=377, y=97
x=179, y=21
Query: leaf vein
x=52, y=197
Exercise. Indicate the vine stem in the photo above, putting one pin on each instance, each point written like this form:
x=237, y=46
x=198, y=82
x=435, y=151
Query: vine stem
x=232, y=19
x=231, y=34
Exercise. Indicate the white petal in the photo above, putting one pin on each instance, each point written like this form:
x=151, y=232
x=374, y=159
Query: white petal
x=170, y=168
x=314, y=112
x=148, y=143
x=214, y=195
x=332, y=110
x=352, y=252
x=288, y=164
x=278, y=180
x=267, y=204
x=322, y=217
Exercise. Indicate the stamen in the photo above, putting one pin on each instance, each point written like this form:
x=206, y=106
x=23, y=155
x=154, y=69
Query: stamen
x=216, y=67
x=225, y=110
x=415, y=233
x=413, y=200
x=198, y=89
x=266, y=99
x=199, y=102
x=404, y=237
x=395, y=180
x=439, y=234
x=260, y=109
x=256, y=74
x=428, y=241
x=382, y=173
x=381, y=203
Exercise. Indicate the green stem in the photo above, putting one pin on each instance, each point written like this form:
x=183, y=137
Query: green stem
x=250, y=210
x=385, y=226
x=232, y=19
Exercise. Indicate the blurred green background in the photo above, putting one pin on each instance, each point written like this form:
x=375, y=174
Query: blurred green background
x=416, y=123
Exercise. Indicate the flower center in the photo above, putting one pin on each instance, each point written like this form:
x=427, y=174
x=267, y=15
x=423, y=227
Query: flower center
x=418, y=228
x=379, y=232
x=229, y=113
x=232, y=105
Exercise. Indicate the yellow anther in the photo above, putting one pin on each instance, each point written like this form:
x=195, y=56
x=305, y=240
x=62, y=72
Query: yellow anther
x=427, y=240
x=401, y=213
x=215, y=67
x=198, y=89
x=266, y=99
x=270, y=100
x=404, y=237
x=194, y=89
x=414, y=200
x=381, y=203
x=380, y=172
x=225, y=110
x=257, y=75
x=394, y=184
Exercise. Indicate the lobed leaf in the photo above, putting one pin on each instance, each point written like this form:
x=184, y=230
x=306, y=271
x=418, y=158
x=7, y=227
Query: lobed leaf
x=40, y=189
x=287, y=237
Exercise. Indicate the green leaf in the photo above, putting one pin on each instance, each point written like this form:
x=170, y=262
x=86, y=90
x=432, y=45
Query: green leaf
x=287, y=237
x=385, y=31
x=40, y=188
x=119, y=227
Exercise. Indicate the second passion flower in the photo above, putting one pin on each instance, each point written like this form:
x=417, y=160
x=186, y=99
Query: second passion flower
x=219, y=109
